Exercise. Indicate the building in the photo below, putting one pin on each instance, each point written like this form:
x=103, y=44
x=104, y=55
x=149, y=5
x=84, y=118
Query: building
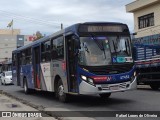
x=9, y=32
x=146, y=19
x=146, y=45
x=10, y=41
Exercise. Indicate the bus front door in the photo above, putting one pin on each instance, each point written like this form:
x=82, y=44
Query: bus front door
x=71, y=65
x=36, y=66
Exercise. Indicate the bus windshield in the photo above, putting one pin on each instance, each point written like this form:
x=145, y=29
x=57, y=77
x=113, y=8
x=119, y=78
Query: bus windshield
x=100, y=51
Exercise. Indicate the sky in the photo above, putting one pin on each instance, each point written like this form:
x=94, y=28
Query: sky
x=46, y=16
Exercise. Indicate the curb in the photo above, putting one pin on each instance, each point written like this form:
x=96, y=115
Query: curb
x=37, y=107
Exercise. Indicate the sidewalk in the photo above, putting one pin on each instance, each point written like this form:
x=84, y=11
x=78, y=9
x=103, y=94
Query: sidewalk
x=9, y=104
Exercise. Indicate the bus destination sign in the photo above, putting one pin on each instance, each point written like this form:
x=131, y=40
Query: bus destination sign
x=102, y=28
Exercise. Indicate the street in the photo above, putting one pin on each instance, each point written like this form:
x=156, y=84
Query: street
x=142, y=99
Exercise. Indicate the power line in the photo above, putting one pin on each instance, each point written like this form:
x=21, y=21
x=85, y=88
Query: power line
x=30, y=21
x=33, y=20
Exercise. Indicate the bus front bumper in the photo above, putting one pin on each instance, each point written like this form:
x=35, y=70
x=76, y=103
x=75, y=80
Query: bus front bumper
x=87, y=89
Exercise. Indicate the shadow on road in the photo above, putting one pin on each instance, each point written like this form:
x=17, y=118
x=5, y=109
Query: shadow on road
x=146, y=88
x=81, y=101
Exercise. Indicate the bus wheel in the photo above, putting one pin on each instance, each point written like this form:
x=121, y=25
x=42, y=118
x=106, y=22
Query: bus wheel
x=105, y=95
x=26, y=89
x=155, y=87
x=60, y=92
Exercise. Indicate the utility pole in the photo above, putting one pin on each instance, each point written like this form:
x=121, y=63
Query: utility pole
x=61, y=26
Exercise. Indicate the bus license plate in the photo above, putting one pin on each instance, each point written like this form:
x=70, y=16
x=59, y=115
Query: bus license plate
x=114, y=87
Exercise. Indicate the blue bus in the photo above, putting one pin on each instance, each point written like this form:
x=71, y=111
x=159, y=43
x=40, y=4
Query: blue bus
x=83, y=59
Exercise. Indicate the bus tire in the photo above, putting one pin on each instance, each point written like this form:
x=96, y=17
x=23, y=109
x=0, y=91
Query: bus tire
x=105, y=95
x=60, y=94
x=154, y=87
x=26, y=89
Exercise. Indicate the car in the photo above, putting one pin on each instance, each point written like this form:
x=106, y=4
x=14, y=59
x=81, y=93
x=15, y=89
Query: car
x=6, y=78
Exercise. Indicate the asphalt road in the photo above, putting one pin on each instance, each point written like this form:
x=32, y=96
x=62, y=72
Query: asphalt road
x=142, y=99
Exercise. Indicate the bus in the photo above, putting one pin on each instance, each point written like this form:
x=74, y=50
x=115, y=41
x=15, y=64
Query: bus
x=83, y=59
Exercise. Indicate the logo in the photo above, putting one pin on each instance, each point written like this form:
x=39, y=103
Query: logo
x=109, y=78
x=124, y=77
x=6, y=114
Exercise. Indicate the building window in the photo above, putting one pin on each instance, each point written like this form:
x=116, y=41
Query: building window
x=146, y=21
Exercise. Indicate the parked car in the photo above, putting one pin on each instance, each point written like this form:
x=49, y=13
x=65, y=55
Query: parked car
x=6, y=78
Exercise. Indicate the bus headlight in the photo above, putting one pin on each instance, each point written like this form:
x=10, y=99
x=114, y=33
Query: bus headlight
x=87, y=79
x=84, y=77
x=90, y=81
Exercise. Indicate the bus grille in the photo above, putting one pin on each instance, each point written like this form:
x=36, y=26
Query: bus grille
x=107, y=87
x=110, y=69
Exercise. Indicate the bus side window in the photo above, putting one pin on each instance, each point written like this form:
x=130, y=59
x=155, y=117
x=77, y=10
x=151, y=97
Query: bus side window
x=57, y=49
x=54, y=54
x=60, y=48
x=45, y=51
x=14, y=59
x=43, y=59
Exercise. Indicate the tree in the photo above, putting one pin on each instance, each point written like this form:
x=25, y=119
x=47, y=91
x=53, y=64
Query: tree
x=38, y=35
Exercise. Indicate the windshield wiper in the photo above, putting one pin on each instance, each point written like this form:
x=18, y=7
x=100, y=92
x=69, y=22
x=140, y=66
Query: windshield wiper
x=126, y=48
x=101, y=46
x=104, y=50
x=114, y=48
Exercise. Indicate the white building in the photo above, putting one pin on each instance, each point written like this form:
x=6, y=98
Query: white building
x=146, y=17
x=10, y=41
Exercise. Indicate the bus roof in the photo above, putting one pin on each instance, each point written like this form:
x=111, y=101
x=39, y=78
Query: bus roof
x=61, y=32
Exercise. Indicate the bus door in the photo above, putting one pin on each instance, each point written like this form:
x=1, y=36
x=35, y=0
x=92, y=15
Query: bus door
x=18, y=68
x=36, y=66
x=71, y=65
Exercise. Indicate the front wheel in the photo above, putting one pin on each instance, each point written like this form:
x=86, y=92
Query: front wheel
x=60, y=94
x=105, y=95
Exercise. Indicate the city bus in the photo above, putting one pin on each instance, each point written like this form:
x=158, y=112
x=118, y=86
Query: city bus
x=84, y=59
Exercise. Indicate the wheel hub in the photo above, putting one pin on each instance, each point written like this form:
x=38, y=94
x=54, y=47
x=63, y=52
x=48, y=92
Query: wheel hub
x=25, y=87
x=61, y=90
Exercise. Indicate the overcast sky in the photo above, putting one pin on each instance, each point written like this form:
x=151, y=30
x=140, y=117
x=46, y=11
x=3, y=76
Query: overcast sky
x=47, y=15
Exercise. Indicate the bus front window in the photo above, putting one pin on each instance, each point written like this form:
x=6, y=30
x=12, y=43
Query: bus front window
x=120, y=46
x=99, y=51
x=94, y=51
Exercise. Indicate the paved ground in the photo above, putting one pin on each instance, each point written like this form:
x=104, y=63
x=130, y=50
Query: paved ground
x=9, y=104
x=143, y=99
